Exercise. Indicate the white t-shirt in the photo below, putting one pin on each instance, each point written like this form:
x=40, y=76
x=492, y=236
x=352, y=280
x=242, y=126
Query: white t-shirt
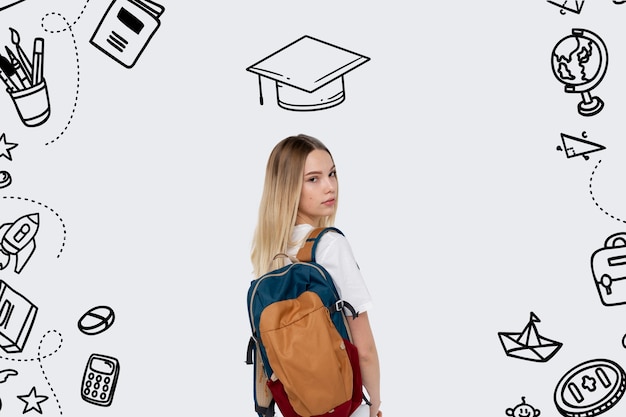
x=334, y=253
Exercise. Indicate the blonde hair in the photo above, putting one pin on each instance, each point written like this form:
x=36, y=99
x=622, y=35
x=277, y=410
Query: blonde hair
x=278, y=209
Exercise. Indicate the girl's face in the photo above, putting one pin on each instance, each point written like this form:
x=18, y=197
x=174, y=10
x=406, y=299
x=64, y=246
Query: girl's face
x=319, y=188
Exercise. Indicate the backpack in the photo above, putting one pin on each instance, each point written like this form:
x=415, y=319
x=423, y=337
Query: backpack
x=301, y=349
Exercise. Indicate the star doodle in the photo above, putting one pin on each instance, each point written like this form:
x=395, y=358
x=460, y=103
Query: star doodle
x=32, y=401
x=5, y=147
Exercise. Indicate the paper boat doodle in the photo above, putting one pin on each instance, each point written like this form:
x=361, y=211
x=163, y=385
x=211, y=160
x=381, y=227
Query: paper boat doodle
x=528, y=344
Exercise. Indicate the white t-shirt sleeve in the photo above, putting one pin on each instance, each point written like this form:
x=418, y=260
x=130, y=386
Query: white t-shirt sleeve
x=335, y=255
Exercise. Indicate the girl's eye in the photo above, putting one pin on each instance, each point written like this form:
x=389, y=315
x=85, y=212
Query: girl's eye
x=333, y=174
x=313, y=179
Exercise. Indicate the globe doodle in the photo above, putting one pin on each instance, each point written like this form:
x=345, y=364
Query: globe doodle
x=579, y=61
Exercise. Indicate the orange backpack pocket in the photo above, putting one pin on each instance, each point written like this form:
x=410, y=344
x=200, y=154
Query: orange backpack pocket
x=307, y=354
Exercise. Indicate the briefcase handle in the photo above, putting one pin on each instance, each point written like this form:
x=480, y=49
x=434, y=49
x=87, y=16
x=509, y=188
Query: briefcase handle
x=616, y=240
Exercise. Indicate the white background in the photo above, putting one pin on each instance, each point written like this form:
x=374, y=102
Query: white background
x=462, y=214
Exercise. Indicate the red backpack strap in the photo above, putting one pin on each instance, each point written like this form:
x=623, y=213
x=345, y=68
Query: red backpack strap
x=307, y=251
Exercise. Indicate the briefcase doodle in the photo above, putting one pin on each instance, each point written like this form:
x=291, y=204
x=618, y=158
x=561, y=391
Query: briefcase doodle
x=608, y=265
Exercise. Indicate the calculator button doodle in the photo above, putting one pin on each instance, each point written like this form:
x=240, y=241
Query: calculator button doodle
x=100, y=379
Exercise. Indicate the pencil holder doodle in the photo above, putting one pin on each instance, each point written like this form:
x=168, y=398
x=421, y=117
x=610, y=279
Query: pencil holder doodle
x=32, y=104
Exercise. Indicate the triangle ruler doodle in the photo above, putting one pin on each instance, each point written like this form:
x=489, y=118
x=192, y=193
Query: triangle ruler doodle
x=574, y=6
x=574, y=146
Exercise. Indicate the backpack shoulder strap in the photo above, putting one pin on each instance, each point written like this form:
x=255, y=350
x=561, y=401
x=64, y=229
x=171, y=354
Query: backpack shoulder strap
x=307, y=251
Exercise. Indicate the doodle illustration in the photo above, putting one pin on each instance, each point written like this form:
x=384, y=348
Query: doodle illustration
x=523, y=410
x=100, y=379
x=32, y=401
x=574, y=6
x=608, y=265
x=17, y=316
x=24, y=81
x=309, y=74
x=96, y=320
x=126, y=28
x=4, y=4
x=579, y=61
x=17, y=240
x=528, y=344
x=5, y=374
x=5, y=179
x=590, y=388
x=5, y=147
x=574, y=146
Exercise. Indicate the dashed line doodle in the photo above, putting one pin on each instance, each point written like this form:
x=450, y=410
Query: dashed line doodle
x=579, y=62
x=51, y=210
x=40, y=358
x=593, y=198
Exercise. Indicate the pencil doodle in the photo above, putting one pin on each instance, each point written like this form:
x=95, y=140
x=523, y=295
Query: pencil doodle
x=24, y=80
x=17, y=241
x=590, y=388
x=32, y=401
x=64, y=230
x=574, y=146
x=100, y=379
x=5, y=147
x=574, y=6
x=126, y=28
x=580, y=61
x=529, y=344
x=608, y=266
x=523, y=410
x=308, y=73
x=593, y=198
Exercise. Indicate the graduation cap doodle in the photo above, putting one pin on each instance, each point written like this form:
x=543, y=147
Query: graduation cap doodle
x=309, y=73
x=574, y=146
x=528, y=344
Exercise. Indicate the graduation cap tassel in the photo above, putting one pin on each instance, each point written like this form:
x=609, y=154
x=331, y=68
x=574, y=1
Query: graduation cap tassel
x=260, y=91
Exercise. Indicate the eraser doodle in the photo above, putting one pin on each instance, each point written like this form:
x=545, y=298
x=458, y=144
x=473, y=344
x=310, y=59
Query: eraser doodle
x=590, y=388
x=96, y=320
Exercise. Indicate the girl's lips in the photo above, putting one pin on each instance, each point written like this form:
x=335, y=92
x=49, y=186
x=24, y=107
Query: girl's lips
x=329, y=202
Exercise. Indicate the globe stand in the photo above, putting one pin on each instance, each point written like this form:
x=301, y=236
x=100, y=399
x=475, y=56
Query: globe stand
x=590, y=105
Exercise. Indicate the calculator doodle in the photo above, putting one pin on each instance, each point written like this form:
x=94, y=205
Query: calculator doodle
x=100, y=379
